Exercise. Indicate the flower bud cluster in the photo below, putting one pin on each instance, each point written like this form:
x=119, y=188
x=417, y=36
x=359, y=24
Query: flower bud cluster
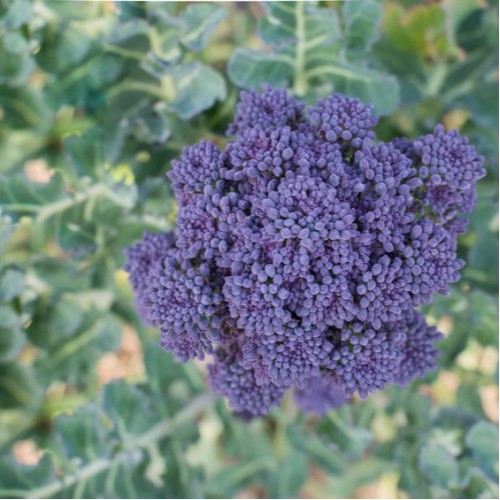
x=303, y=249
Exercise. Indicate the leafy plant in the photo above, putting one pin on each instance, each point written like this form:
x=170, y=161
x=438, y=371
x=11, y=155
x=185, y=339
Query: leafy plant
x=317, y=50
x=96, y=98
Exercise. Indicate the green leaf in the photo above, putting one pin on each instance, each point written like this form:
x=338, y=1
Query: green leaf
x=73, y=359
x=234, y=477
x=476, y=484
x=82, y=436
x=12, y=338
x=197, y=87
x=289, y=477
x=352, y=440
x=482, y=441
x=478, y=30
x=484, y=317
x=18, y=386
x=119, y=398
x=286, y=22
x=362, y=25
x=371, y=86
x=309, y=55
x=15, y=13
x=64, y=48
x=240, y=440
x=11, y=284
x=90, y=464
x=252, y=68
x=360, y=473
x=324, y=456
x=438, y=465
x=60, y=275
x=16, y=64
x=161, y=368
x=86, y=151
x=469, y=398
x=454, y=418
x=6, y=228
x=482, y=103
x=21, y=197
x=16, y=479
x=63, y=319
x=199, y=21
x=151, y=126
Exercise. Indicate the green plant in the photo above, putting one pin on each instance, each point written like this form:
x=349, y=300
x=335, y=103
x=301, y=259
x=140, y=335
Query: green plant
x=96, y=98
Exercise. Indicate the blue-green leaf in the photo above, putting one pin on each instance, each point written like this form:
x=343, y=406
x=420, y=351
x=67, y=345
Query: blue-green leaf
x=482, y=441
x=324, y=456
x=288, y=478
x=362, y=25
x=196, y=88
x=309, y=54
x=252, y=68
x=199, y=20
x=11, y=284
x=438, y=465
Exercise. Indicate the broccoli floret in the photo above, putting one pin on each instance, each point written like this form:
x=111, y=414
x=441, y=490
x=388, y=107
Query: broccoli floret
x=303, y=249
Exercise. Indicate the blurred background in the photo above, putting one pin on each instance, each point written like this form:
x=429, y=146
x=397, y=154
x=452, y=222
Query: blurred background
x=96, y=98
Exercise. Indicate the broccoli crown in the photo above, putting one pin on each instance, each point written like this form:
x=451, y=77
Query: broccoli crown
x=303, y=249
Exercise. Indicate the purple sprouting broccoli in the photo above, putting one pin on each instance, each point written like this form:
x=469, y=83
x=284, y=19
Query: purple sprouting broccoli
x=141, y=259
x=303, y=249
x=320, y=395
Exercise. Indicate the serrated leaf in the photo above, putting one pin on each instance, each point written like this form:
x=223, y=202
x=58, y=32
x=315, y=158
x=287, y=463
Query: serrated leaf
x=197, y=87
x=438, y=465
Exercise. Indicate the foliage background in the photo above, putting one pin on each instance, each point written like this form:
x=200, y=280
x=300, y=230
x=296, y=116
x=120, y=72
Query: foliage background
x=96, y=98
